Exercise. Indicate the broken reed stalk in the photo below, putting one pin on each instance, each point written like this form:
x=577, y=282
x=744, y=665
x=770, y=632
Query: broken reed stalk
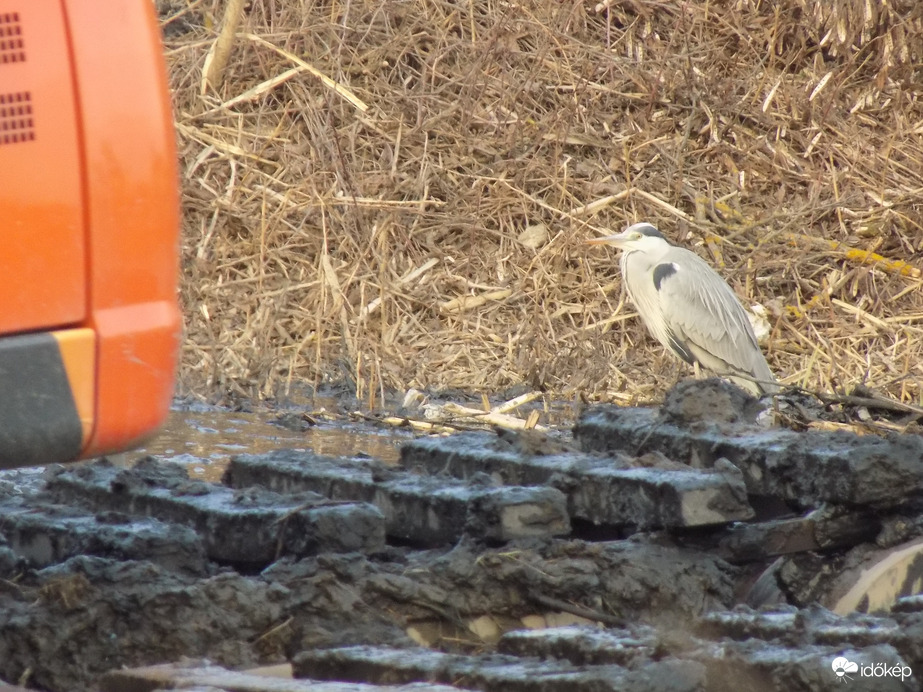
x=892, y=266
x=217, y=59
x=354, y=202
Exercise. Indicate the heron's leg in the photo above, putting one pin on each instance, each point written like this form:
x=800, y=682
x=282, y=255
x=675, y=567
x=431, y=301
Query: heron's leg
x=675, y=369
x=680, y=373
x=696, y=370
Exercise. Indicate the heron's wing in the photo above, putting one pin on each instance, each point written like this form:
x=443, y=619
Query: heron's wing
x=701, y=310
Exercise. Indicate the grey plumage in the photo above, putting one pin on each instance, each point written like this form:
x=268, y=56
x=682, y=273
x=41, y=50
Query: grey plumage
x=689, y=309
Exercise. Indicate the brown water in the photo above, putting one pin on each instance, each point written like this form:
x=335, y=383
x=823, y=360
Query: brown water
x=205, y=441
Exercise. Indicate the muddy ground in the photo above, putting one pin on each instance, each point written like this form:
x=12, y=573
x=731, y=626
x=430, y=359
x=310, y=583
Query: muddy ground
x=652, y=533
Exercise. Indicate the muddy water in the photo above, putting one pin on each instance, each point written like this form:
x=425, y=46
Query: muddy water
x=204, y=441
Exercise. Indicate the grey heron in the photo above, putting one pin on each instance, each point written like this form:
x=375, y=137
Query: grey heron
x=689, y=309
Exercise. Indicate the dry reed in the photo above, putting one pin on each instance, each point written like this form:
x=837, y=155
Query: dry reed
x=394, y=193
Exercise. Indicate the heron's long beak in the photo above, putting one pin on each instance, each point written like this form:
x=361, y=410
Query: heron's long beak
x=616, y=240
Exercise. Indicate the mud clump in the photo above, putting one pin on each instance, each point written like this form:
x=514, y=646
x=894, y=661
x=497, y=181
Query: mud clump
x=251, y=527
x=709, y=401
x=802, y=468
x=68, y=624
x=71, y=623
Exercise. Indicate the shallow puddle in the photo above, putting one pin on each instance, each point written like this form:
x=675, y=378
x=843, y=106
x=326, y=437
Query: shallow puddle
x=204, y=438
x=204, y=441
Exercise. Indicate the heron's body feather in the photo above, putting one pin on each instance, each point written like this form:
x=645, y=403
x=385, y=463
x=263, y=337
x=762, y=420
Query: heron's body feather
x=691, y=310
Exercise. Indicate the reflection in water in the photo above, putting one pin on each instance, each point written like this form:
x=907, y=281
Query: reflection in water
x=204, y=441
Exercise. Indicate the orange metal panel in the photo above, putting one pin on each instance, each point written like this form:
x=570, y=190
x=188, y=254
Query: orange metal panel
x=43, y=263
x=133, y=211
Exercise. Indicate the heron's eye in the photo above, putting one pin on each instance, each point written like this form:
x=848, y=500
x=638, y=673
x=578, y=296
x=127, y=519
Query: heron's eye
x=635, y=235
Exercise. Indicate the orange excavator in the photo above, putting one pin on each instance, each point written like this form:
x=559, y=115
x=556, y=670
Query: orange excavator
x=89, y=224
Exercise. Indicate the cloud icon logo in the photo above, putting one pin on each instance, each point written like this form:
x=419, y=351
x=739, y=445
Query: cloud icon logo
x=841, y=666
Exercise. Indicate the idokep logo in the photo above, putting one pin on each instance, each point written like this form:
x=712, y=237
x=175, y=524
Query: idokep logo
x=842, y=667
x=845, y=670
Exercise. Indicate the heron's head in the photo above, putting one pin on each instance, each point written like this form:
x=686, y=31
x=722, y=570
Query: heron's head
x=640, y=236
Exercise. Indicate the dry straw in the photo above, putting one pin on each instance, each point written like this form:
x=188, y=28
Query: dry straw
x=394, y=193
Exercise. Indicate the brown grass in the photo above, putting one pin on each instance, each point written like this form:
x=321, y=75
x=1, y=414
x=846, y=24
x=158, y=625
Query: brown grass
x=325, y=243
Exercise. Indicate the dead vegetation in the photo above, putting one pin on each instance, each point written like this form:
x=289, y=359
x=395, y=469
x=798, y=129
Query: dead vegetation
x=395, y=193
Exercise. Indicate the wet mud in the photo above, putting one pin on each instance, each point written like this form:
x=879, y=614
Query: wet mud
x=681, y=548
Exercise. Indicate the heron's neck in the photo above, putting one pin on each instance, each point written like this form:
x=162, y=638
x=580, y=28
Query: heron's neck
x=644, y=260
